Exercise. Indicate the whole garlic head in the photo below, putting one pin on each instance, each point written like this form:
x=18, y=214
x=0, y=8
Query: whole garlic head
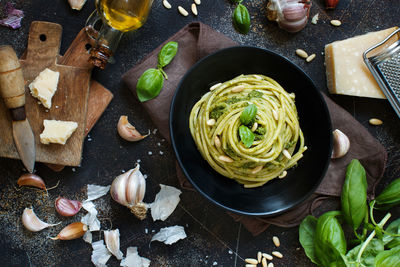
x=291, y=15
x=128, y=189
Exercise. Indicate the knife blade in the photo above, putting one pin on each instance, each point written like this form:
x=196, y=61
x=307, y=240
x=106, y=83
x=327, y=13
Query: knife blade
x=12, y=90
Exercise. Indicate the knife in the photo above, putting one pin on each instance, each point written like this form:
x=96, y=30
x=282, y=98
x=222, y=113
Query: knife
x=12, y=90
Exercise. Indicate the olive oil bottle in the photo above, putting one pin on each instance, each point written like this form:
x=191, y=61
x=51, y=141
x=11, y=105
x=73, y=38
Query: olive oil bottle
x=117, y=17
x=124, y=15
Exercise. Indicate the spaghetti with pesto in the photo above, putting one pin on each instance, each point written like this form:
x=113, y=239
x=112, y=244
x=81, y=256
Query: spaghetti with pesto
x=248, y=129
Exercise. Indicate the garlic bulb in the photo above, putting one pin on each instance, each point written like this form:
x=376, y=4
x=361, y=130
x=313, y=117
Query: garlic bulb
x=341, y=144
x=291, y=15
x=128, y=189
x=32, y=222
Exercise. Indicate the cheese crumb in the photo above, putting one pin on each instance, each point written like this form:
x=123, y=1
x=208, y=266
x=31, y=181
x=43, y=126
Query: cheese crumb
x=44, y=86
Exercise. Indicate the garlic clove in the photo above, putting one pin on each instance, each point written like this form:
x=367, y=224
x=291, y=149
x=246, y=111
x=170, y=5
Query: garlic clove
x=76, y=4
x=32, y=222
x=291, y=15
x=128, y=132
x=341, y=144
x=30, y=179
x=73, y=231
x=112, y=242
x=67, y=207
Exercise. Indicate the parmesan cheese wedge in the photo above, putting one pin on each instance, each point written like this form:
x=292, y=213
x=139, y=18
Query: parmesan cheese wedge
x=346, y=71
x=44, y=86
x=57, y=131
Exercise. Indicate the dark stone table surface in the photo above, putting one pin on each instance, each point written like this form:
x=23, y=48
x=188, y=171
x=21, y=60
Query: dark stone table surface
x=214, y=239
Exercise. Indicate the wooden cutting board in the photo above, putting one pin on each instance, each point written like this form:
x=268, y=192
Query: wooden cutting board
x=70, y=101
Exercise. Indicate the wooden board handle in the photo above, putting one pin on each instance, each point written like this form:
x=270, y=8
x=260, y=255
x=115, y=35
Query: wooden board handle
x=43, y=43
x=12, y=86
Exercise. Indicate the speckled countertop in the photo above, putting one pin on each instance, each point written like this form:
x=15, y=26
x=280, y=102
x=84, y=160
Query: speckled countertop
x=214, y=239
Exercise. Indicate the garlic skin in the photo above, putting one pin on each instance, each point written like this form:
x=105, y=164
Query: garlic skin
x=32, y=222
x=291, y=15
x=76, y=4
x=128, y=132
x=30, y=179
x=128, y=189
x=111, y=238
x=341, y=144
x=72, y=231
x=67, y=207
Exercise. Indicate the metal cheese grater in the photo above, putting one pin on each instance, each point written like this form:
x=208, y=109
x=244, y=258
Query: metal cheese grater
x=385, y=67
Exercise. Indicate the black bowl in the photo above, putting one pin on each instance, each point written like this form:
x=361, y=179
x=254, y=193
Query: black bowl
x=277, y=195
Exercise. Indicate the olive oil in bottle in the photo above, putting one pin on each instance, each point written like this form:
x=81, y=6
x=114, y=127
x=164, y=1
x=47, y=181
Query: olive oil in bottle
x=124, y=15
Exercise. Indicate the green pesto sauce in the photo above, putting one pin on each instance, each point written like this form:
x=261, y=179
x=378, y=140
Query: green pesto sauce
x=255, y=94
x=229, y=151
x=217, y=112
x=249, y=165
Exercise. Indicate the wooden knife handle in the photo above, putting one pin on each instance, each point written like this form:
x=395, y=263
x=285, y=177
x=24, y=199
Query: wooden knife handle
x=12, y=85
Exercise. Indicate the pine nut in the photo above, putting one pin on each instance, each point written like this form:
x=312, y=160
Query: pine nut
x=301, y=53
x=277, y=254
x=217, y=142
x=310, y=58
x=198, y=2
x=237, y=89
x=250, y=265
x=270, y=264
x=259, y=256
x=211, y=122
x=264, y=262
x=276, y=241
x=275, y=114
x=375, y=121
x=183, y=11
x=214, y=86
x=194, y=9
x=255, y=125
x=286, y=154
x=251, y=261
x=267, y=256
x=336, y=22
x=166, y=4
x=257, y=169
x=225, y=159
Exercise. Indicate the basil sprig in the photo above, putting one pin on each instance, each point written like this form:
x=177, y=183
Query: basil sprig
x=151, y=81
x=323, y=239
x=241, y=17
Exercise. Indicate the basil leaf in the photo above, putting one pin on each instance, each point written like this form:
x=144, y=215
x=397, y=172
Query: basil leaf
x=329, y=241
x=246, y=135
x=369, y=254
x=390, y=196
x=306, y=237
x=149, y=84
x=241, y=19
x=354, y=194
x=388, y=258
x=391, y=237
x=167, y=53
x=248, y=114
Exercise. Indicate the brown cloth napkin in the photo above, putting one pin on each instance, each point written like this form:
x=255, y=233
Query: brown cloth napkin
x=197, y=40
